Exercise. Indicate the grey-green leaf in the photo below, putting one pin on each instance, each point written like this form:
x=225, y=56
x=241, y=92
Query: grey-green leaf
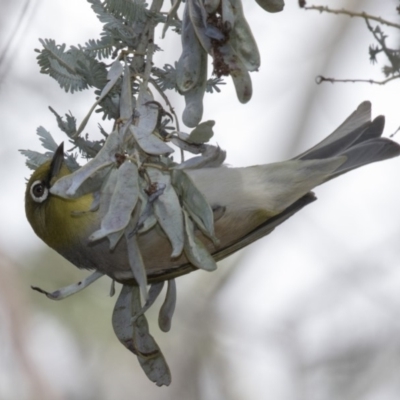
x=181, y=142
x=193, y=111
x=112, y=76
x=149, y=354
x=154, y=292
x=70, y=290
x=122, y=203
x=195, y=203
x=213, y=157
x=168, y=212
x=68, y=185
x=47, y=140
x=136, y=263
x=147, y=218
x=34, y=158
x=125, y=105
x=148, y=142
x=195, y=250
x=121, y=318
x=114, y=238
x=168, y=307
x=202, y=133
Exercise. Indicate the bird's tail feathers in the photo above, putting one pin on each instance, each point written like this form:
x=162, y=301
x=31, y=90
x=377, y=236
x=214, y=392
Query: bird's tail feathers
x=355, y=143
x=342, y=137
x=358, y=139
x=367, y=152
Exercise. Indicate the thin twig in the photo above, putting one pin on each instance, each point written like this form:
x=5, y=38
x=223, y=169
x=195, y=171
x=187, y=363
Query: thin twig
x=319, y=79
x=363, y=15
x=394, y=133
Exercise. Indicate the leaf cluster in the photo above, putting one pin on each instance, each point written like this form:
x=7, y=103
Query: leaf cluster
x=131, y=173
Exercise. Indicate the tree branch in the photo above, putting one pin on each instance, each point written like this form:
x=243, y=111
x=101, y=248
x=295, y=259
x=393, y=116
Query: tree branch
x=319, y=79
x=363, y=15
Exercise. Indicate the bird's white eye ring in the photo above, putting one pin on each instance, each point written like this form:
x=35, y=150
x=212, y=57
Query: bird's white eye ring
x=39, y=191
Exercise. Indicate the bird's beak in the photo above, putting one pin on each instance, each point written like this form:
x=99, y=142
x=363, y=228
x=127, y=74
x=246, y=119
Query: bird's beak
x=56, y=162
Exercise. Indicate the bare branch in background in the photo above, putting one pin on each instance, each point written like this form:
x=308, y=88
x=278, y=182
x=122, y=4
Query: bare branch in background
x=390, y=71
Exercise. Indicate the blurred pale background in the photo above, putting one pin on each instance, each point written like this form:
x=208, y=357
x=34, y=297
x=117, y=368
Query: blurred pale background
x=310, y=312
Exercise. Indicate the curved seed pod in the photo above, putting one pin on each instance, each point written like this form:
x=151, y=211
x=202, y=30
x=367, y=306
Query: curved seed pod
x=271, y=6
x=150, y=356
x=237, y=70
x=224, y=56
x=136, y=336
x=243, y=85
x=193, y=111
x=246, y=47
x=167, y=309
x=193, y=59
x=198, y=16
x=211, y=5
x=208, y=34
x=241, y=37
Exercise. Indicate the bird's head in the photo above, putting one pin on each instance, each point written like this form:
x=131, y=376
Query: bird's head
x=54, y=218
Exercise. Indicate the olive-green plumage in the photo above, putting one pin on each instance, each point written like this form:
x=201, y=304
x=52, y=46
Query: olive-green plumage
x=248, y=202
x=57, y=221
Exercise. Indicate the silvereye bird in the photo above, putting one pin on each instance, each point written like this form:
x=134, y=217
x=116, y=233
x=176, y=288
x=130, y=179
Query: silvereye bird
x=248, y=202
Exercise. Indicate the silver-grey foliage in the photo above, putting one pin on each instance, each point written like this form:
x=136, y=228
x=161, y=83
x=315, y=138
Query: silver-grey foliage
x=134, y=179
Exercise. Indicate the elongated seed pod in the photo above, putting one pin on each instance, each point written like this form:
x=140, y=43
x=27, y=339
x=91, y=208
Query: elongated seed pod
x=238, y=71
x=193, y=59
x=193, y=111
x=198, y=16
x=224, y=55
x=241, y=37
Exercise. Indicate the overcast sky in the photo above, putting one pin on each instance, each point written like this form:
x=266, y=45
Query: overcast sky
x=355, y=220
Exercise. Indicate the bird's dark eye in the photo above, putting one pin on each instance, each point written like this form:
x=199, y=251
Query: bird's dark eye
x=39, y=191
